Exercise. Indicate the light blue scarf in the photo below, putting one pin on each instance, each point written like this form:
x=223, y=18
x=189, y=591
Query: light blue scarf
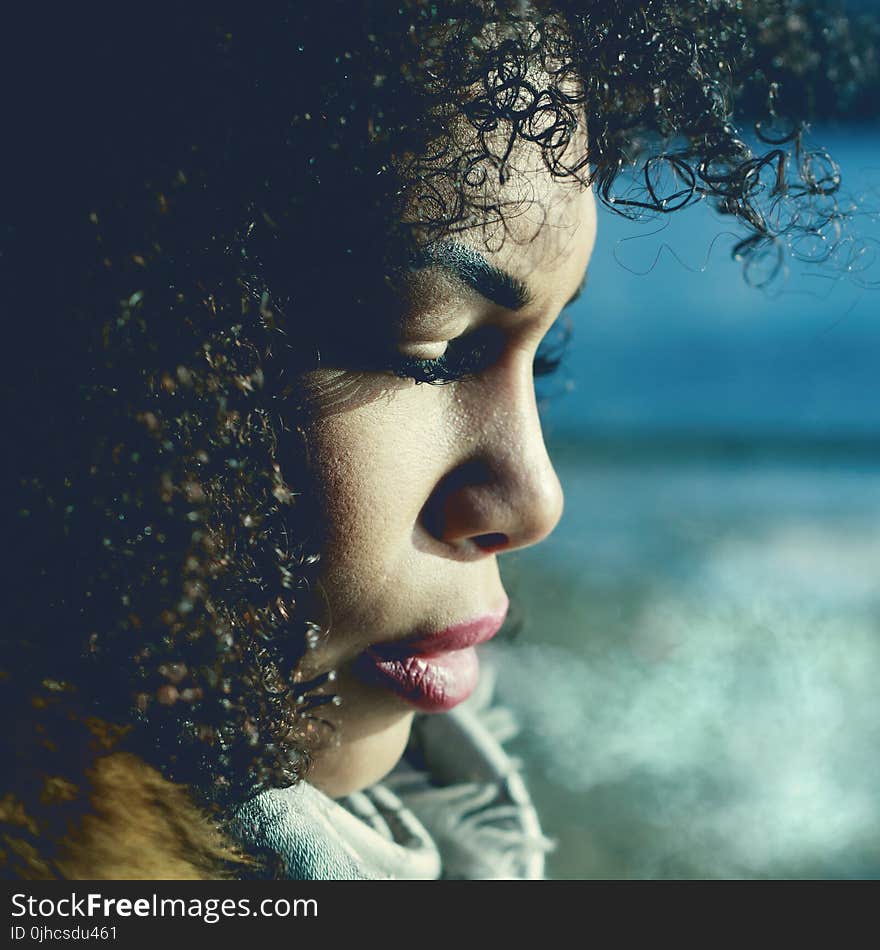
x=466, y=815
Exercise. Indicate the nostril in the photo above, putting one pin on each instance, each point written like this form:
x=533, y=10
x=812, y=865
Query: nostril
x=491, y=542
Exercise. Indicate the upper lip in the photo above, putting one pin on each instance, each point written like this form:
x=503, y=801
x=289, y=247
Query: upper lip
x=459, y=636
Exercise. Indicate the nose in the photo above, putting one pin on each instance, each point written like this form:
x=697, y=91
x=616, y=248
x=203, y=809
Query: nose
x=503, y=493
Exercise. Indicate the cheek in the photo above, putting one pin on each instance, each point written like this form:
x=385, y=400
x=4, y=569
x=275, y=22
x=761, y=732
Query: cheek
x=374, y=468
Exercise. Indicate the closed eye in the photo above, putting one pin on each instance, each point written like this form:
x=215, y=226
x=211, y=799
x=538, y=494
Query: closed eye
x=465, y=356
x=472, y=353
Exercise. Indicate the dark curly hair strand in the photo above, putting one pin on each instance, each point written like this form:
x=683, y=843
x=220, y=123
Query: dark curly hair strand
x=196, y=187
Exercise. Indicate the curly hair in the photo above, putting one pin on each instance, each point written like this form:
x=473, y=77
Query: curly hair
x=197, y=189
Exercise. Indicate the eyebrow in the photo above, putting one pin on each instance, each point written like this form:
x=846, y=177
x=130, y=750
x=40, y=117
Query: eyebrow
x=470, y=268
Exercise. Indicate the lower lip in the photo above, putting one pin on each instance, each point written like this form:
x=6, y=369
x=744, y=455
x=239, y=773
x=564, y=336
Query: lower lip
x=430, y=683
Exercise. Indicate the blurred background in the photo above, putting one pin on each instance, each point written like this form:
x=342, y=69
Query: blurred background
x=696, y=674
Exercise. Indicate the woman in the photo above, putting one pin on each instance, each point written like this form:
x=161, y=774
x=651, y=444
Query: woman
x=252, y=546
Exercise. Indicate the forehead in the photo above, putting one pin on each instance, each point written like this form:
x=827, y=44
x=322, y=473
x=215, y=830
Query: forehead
x=531, y=261
x=525, y=221
x=546, y=245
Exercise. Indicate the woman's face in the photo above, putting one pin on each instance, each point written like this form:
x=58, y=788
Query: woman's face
x=423, y=487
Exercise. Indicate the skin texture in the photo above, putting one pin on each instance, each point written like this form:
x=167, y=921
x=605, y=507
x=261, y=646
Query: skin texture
x=423, y=487
x=223, y=197
x=208, y=126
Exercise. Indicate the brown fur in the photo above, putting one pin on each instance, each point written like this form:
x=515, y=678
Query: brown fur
x=74, y=804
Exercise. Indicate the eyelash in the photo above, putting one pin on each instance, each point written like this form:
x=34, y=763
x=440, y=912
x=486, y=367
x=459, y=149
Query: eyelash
x=553, y=347
x=471, y=354
x=465, y=356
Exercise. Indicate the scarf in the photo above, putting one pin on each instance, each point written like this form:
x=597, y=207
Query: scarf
x=455, y=807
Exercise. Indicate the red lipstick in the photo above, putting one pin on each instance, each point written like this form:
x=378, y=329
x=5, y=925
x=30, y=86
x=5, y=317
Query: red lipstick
x=435, y=671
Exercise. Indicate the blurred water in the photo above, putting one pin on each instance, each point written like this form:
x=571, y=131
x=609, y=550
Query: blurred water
x=700, y=646
x=669, y=335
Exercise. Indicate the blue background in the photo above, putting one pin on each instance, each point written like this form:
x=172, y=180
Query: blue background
x=695, y=674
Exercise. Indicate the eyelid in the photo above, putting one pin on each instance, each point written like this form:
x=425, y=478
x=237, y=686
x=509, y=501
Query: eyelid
x=464, y=356
x=442, y=333
x=441, y=329
x=418, y=350
x=471, y=351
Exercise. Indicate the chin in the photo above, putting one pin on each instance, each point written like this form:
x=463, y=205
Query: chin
x=350, y=765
